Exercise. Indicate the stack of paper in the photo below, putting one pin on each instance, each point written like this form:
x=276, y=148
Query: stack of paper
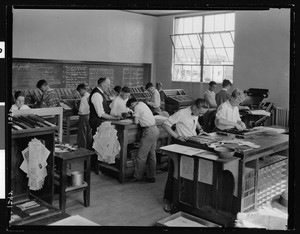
x=34, y=164
x=106, y=143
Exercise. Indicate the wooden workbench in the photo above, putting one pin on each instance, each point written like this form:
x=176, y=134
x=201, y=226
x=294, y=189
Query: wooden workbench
x=128, y=133
x=268, y=169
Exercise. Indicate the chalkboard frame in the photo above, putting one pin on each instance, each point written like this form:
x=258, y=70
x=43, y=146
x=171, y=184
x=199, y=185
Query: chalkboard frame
x=147, y=66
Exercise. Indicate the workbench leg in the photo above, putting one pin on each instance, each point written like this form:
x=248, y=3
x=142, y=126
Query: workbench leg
x=123, y=155
x=87, y=179
x=63, y=185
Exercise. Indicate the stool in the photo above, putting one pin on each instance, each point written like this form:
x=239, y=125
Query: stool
x=61, y=160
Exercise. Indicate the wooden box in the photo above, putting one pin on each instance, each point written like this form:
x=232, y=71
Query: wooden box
x=19, y=190
x=182, y=219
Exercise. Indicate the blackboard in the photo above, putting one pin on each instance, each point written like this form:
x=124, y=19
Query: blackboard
x=68, y=74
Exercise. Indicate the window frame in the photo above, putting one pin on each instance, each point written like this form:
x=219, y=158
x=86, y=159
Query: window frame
x=228, y=62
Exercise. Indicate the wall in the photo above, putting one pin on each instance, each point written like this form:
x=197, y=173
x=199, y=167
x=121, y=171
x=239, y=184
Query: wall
x=85, y=35
x=262, y=41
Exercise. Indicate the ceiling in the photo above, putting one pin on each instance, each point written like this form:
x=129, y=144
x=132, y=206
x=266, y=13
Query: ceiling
x=161, y=12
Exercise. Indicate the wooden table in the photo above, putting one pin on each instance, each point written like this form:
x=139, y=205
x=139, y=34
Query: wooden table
x=61, y=160
x=128, y=133
x=270, y=144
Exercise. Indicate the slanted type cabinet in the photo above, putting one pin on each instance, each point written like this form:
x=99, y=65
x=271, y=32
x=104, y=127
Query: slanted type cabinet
x=20, y=192
x=218, y=189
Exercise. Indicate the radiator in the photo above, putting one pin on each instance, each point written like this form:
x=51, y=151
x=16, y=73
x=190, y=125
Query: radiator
x=280, y=117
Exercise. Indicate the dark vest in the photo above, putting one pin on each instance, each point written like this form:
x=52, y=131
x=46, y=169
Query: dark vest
x=95, y=120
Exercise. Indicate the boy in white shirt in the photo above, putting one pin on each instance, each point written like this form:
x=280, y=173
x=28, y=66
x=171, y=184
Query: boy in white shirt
x=84, y=134
x=118, y=105
x=19, y=102
x=146, y=156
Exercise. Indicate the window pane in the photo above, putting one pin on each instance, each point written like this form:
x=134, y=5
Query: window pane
x=187, y=73
x=228, y=73
x=207, y=41
x=219, y=22
x=229, y=52
x=188, y=25
x=197, y=24
x=176, y=41
x=227, y=39
x=222, y=56
x=194, y=39
x=185, y=41
x=178, y=26
x=196, y=73
x=176, y=73
x=191, y=57
x=216, y=40
x=207, y=74
x=210, y=56
x=180, y=56
x=209, y=23
x=229, y=21
x=217, y=73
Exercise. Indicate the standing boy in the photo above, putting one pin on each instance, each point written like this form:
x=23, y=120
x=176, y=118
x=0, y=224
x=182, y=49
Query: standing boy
x=154, y=102
x=146, y=156
x=223, y=95
x=84, y=134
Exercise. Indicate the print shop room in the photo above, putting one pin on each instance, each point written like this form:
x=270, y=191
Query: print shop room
x=165, y=118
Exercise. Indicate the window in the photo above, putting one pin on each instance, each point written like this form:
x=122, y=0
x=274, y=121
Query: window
x=203, y=48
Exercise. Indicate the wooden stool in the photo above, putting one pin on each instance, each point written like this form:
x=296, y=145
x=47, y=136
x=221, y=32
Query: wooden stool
x=61, y=160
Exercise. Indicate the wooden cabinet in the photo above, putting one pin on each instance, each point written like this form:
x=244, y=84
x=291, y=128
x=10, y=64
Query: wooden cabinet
x=19, y=181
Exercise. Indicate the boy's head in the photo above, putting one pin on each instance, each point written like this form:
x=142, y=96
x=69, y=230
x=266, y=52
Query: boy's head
x=149, y=87
x=198, y=108
x=19, y=98
x=131, y=103
x=81, y=89
x=125, y=92
x=42, y=85
x=212, y=85
x=226, y=84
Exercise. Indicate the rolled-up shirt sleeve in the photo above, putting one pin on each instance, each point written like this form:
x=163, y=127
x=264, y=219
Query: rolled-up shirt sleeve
x=173, y=119
x=97, y=100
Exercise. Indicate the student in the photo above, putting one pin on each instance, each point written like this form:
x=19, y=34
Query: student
x=117, y=89
x=186, y=122
x=19, y=102
x=210, y=95
x=227, y=115
x=84, y=134
x=154, y=102
x=118, y=105
x=146, y=156
x=49, y=97
x=159, y=87
x=99, y=108
x=223, y=95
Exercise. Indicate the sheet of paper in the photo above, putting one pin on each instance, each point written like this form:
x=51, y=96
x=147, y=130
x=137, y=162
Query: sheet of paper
x=260, y=112
x=207, y=154
x=183, y=222
x=75, y=220
x=205, y=171
x=187, y=168
x=181, y=149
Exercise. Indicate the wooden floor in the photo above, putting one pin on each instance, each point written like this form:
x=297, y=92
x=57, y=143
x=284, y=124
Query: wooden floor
x=115, y=204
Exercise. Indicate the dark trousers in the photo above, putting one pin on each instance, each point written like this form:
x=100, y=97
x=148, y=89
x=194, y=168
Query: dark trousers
x=84, y=134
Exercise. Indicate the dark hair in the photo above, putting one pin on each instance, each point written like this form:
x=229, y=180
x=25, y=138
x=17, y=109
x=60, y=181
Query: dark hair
x=158, y=84
x=40, y=83
x=18, y=94
x=226, y=83
x=101, y=80
x=130, y=101
x=212, y=83
x=81, y=86
x=200, y=103
x=149, y=85
x=118, y=88
x=125, y=89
